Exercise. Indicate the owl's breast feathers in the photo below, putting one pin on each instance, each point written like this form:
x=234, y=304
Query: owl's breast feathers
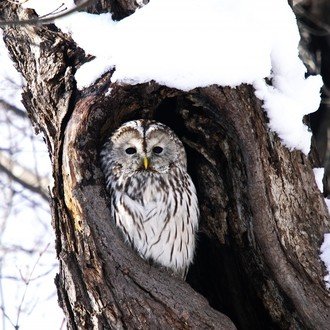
x=158, y=215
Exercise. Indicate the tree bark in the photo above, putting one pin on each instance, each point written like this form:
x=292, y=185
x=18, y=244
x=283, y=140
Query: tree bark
x=262, y=216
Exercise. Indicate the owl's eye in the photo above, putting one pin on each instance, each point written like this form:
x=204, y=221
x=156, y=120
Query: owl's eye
x=130, y=150
x=157, y=150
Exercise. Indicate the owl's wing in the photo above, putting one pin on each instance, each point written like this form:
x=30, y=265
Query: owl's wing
x=129, y=217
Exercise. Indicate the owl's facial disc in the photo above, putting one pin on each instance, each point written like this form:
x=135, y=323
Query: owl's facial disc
x=146, y=146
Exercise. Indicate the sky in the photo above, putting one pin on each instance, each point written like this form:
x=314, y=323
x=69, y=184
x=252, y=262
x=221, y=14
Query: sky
x=220, y=42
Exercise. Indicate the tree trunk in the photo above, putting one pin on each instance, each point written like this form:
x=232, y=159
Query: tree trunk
x=262, y=216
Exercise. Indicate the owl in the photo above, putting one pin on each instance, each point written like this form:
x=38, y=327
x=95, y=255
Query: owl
x=153, y=199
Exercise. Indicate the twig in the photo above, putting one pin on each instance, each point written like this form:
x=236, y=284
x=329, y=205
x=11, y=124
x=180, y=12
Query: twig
x=48, y=20
x=2, y=307
x=24, y=176
x=17, y=111
x=27, y=282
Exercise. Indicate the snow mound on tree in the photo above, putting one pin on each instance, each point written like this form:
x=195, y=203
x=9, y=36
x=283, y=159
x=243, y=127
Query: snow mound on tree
x=186, y=44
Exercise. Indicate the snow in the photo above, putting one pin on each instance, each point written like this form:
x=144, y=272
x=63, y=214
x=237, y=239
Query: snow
x=156, y=43
x=286, y=102
x=319, y=173
x=186, y=44
x=325, y=257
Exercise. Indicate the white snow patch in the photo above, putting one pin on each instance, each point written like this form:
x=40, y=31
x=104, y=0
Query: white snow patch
x=180, y=43
x=91, y=71
x=327, y=202
x=286, y=102
x=319, y=173
x=108, y=92
x=325, y=257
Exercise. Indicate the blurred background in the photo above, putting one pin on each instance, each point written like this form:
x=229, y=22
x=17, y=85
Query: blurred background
x=28, y=263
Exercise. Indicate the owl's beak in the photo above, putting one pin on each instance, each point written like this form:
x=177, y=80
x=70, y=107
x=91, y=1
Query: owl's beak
x=145, y=162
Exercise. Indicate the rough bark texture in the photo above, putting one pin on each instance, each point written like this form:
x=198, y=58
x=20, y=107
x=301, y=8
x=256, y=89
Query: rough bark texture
x=262, y=216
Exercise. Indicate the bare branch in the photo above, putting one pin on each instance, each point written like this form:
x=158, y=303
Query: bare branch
x=24, y=176
x=48, y=20
x=27, y=282
x=17, y=111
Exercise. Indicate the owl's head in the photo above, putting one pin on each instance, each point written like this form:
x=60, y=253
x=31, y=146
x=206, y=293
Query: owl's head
x=144, y=145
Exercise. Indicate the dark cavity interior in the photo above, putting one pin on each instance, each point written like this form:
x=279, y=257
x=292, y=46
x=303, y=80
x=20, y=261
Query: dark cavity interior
x=224, y=257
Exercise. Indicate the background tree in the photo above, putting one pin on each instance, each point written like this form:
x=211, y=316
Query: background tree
x=262, y=216
x=27, y=251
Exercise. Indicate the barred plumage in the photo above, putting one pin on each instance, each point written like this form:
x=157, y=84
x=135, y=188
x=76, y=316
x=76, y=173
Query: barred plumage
x=153, y=198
